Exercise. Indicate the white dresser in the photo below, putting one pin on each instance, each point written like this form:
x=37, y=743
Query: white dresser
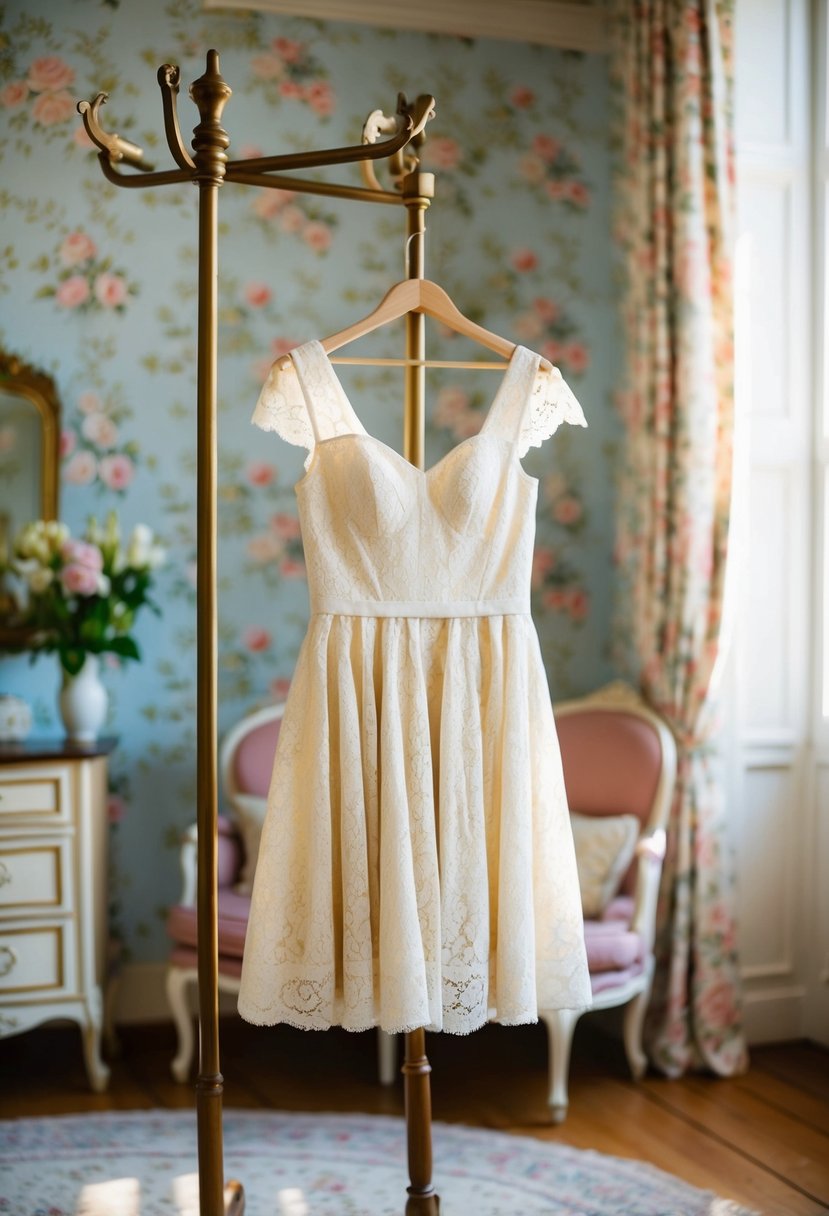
x=53, y=889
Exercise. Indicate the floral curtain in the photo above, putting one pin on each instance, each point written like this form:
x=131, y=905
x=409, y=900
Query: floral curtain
x=673, y=70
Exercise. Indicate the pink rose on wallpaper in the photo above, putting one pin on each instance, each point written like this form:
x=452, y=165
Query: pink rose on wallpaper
x=82, y=554
x=532, y=168
x=524, y=260
x=265, y=548
x=288, y=49
x=279, y=687
x=578, y=193
x=90, y=403
x=317, y=236
x=67, y=443
x=116, y=471
x=110, y=290
x=49, y=74
x=258, y=295
x=76, y=248
x=81, y=469
x=100, y=430
x=291, y=91
x=575, y=354
x=717, y=1006
x=543, y=562
x=80, y=137
x=265, y=206
x=552, y=350
x=528, y=326
x=546, y=147
x=286, y=526
x=567, y=510
x=546, y=308
x=248, y=152
x=52, y=108
x=14, y=94
x=578, y=604
x=557, y=191
x=256, y=639
x=555, y=599
x=72, y=292
x=259, y=473
x=291, y=568
x=267, y=66
x=116, y=808
x=442, y=152
x=281, y=346
x=291, y=218
x=320, y=98
x=522, y=97
x=79, y=580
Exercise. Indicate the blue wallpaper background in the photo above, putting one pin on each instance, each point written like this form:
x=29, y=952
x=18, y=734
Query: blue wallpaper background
x=97, y=286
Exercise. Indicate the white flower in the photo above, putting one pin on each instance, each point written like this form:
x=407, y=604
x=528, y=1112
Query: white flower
x=156, y=557
x=39, y=579
x=141, y=552
x=104, y=585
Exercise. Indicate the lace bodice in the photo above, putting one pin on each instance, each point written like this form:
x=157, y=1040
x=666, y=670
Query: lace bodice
x=384, y=538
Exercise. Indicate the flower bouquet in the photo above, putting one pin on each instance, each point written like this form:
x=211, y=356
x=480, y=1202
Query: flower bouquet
x=81, y=596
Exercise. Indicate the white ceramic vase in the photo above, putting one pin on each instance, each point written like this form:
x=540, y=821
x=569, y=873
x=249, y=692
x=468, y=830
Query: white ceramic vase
x=83, y=702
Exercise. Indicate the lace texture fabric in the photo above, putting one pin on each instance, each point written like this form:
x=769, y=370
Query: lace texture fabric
x=416, y=866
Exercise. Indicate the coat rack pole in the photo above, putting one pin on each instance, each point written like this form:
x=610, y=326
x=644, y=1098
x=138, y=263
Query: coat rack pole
x=422, y=1201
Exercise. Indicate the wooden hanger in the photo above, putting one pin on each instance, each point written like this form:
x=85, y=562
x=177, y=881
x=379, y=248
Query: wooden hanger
x=418, y=295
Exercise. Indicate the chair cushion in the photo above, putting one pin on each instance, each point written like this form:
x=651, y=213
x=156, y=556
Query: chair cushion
x=602, y=981
x=249, y=813
x=612, y=946
x=605, y=845
x=183, y=956
x=233, y=923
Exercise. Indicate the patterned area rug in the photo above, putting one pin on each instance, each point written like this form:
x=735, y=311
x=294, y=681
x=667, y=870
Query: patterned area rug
x=318, y=1165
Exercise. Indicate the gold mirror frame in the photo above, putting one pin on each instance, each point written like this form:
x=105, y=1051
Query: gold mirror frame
x=21, y=380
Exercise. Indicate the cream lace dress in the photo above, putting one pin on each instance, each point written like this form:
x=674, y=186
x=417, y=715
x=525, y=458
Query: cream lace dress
x=416, y=866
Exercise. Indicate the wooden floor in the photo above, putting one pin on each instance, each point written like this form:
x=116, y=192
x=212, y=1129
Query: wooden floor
x=762, y=1139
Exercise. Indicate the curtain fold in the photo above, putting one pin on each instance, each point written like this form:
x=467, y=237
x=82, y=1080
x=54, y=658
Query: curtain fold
x=674, y=227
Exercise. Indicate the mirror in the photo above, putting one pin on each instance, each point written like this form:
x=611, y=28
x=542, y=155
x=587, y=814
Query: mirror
x=29, y=463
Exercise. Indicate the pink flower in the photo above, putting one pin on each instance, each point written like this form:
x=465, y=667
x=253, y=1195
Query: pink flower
x=567, y=510
x=546, y=147
x=81, y=553
x=522, y=97
x=14, y=94
x=292, y=91
x=320, y=98
x=543, y=562
x=286, y=526
x=281, y=346
x=49, y=74
x=250, y=152
x=552, y=350
x=288, y=49
x=257, y=294
x=256, y=639
x=267, y=66
x=524, y=259
x=260, y=474
x=77, y=248
x=67, y=443
x=717, y=1006
x=116, y=808
x=578, y=604
x=547, y=309
x=79, y=580
x=442, y=152
x=100, y=430
x=80, y=137
x=279, y=687
x=575, y=354
x=266, y=205
x=578, y=193
x=556, y=191
x=529, y=326
x=291, y=218
x=52, y=108
x=72, y=292
x=555, y=599
x=291, y=568
x=265, y=548
x=90, y=403
x=81, y=469
x=532, y=168
x=110, y=290
x=116, y=471
x=317, y=236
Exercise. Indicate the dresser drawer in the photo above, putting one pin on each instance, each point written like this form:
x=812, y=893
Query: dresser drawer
x=35, y=876
x=35, y=796
x=35, y=959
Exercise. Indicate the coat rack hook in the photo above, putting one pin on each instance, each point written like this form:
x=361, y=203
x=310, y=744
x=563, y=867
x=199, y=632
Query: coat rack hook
x=114, y=147
x=169, y=77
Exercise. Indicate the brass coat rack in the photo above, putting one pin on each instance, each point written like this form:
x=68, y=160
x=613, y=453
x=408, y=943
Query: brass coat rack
x=209, y=168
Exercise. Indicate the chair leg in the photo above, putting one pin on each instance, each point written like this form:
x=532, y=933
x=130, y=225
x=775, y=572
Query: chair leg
x=387, y=1057
x=178, y=980
x=634, y=1019
x=560, y=1026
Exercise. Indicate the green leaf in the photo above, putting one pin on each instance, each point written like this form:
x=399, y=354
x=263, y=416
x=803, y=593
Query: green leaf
x=125, y=647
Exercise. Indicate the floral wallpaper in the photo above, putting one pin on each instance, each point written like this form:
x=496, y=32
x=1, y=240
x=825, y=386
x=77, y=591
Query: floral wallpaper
x=98, y=287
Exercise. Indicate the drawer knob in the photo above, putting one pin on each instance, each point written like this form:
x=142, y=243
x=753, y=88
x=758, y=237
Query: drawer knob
x=8, y=959
x=5, y=874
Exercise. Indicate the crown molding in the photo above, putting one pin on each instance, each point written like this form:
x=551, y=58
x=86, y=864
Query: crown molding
x=572, y=27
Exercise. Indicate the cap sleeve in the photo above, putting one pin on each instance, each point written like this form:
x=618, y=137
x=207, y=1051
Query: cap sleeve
x=281, y=407
x=551, y=402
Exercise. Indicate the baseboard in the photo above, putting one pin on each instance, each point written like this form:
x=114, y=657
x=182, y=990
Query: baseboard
x=774, y=1015
x=139, y=994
